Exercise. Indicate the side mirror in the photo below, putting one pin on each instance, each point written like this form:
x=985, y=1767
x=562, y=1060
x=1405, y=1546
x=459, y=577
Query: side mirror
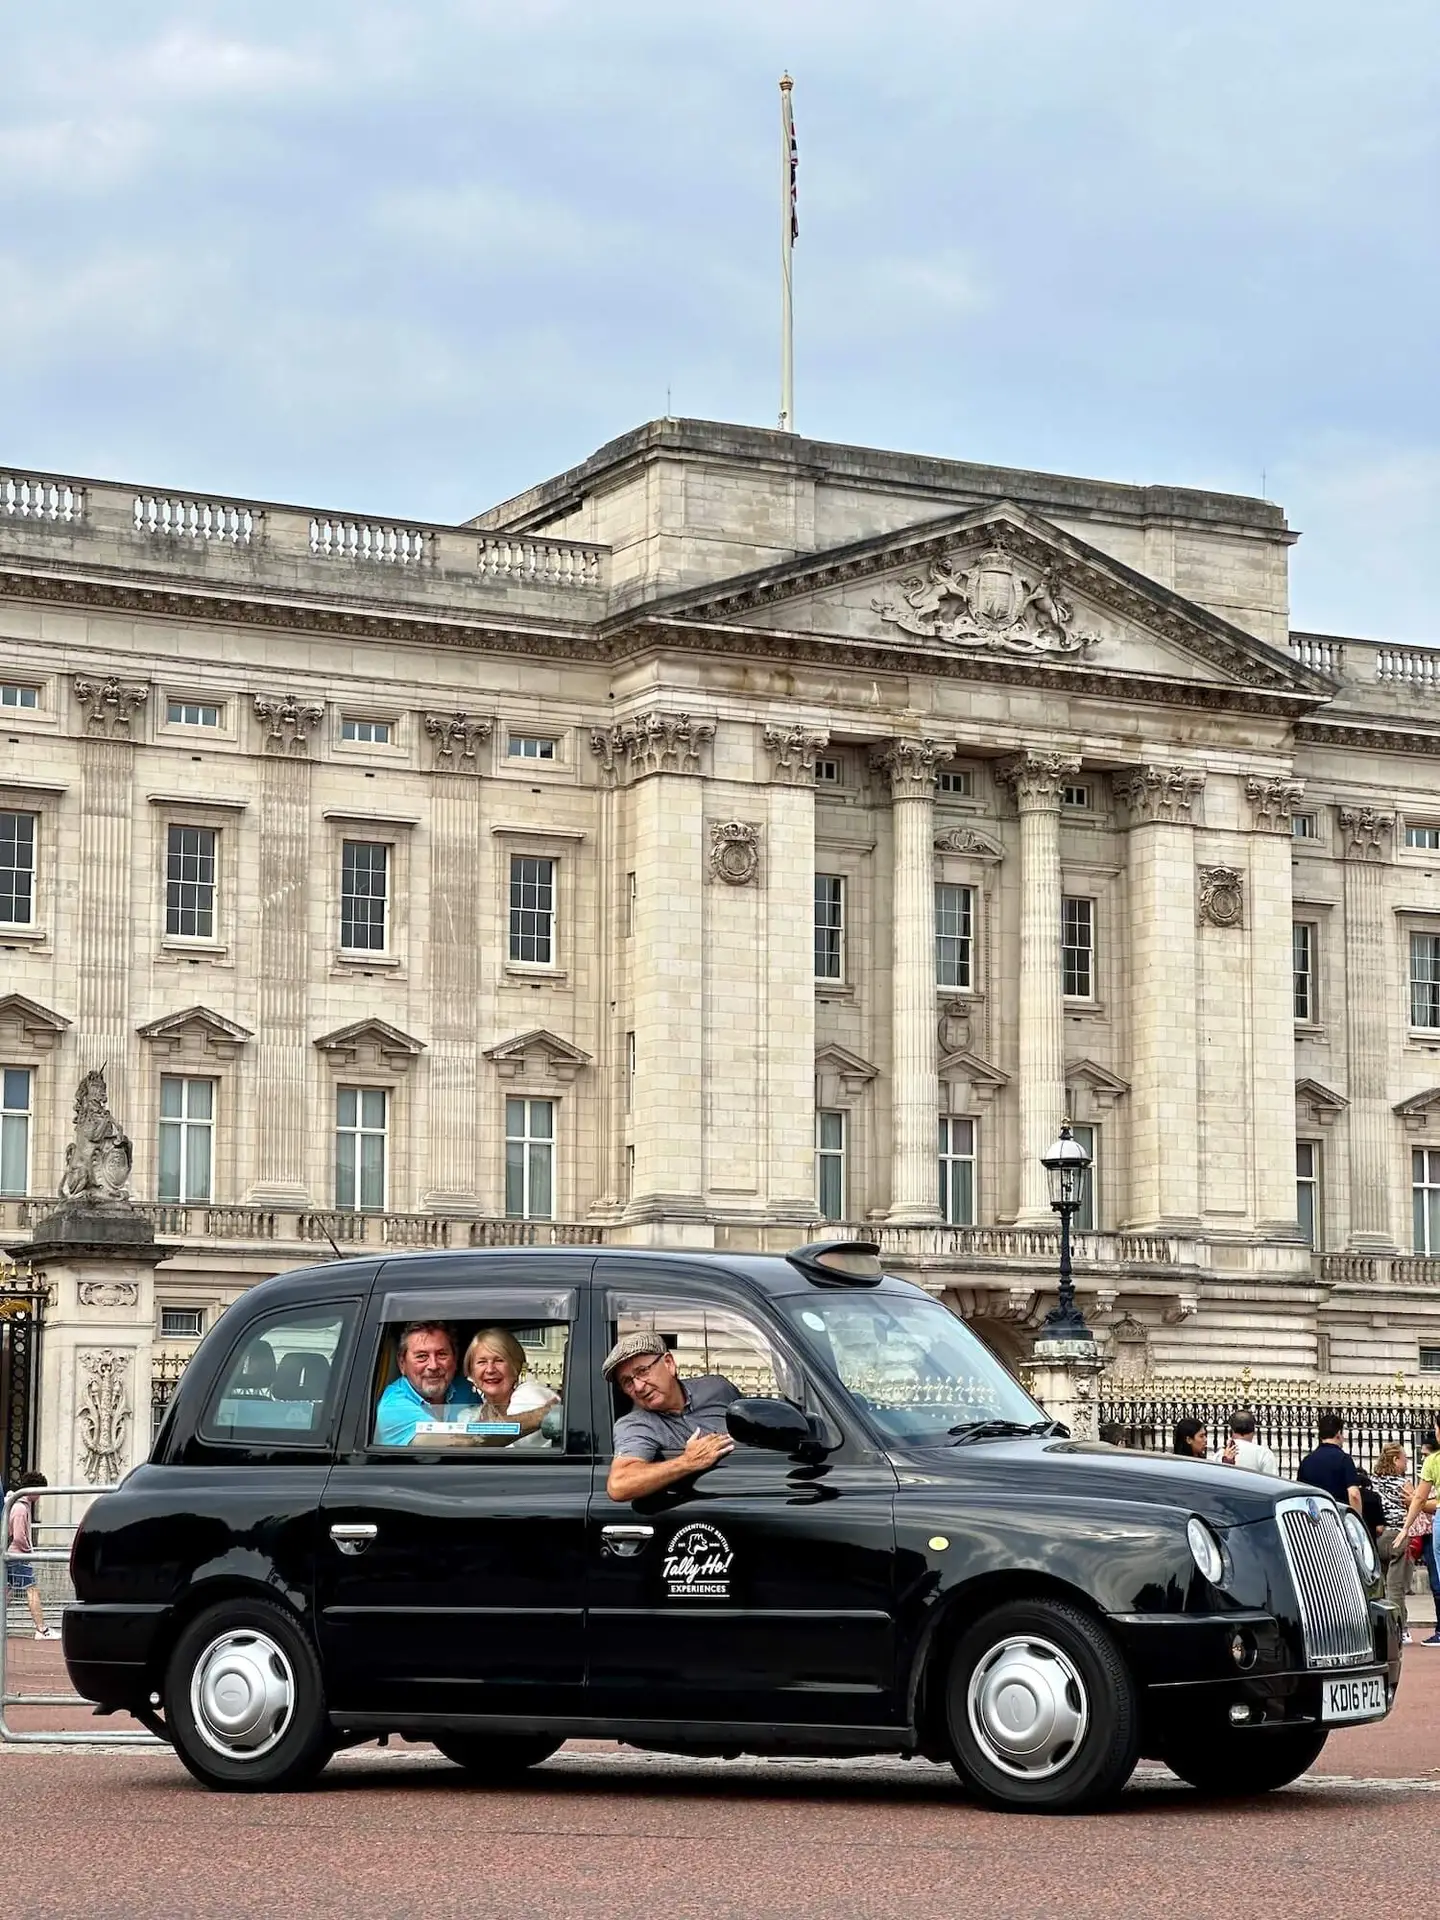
x=777, y=1425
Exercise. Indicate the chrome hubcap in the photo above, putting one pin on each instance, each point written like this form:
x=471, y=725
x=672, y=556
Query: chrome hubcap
x=242, y=1694
x=1027, y=1707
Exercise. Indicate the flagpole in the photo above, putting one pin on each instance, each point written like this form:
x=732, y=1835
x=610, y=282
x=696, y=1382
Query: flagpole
x=788, y=229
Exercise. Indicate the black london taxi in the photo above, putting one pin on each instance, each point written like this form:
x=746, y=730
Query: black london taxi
x=901, y=1554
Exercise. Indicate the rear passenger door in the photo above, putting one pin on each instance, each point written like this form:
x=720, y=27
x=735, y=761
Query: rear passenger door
x=451, y=1579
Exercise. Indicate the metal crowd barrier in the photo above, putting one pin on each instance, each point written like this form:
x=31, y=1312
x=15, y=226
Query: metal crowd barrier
x=45, y=1499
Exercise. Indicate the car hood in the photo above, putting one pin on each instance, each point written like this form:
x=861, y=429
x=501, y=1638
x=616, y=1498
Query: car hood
x=1078, y=1471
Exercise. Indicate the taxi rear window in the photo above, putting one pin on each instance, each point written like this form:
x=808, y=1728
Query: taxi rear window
x=473, y=1374
x=280, y=1385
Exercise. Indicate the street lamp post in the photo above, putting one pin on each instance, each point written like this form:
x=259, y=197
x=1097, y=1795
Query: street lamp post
x=1067, y=1166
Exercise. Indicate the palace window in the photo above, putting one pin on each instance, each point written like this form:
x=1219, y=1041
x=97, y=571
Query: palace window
x=532, y=910
x=1425, y=1193
x=830, y=1164
x=362, y=1131
x=190, y=882
x=1305, y=941
x=1430, y=1359
x=181, y=1323
x=629, y=1070
x=1077, y=948
x=1077, y=796
x=1422, y=836
x=16, y=694
x=16, y=1088
x=955, y=780
x=1086, y=1213
x=632, y=897
x=827, y=773
x=1304, y=826
x=17, y=868
x=187, y=1135
x=530, y=1159
x=370, y=733
x=191, y=713
x=1425, y=979
x=1307, y=1190
x=957, y=1171
x=531, y=746
x=829, y=926
x=364, y=895
x=954, y=936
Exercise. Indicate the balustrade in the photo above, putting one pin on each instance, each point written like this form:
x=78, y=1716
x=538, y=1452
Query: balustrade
x=542, y=562
x=1324, y=656
x=24, y=498
x=202, y=520
x=394, y=546
x=1415, y=666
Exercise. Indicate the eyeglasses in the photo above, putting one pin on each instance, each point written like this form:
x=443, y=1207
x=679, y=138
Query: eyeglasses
x=627, y=1381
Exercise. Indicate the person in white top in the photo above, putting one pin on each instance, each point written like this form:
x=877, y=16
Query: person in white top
x=20, y=1574
x=1245, y=1450
x=495, y=1366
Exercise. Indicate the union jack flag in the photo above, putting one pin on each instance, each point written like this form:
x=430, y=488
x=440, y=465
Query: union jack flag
x=788, y=120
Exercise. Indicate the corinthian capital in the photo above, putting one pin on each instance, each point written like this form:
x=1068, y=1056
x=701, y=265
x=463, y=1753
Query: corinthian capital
x=1272, y=801
x=1365, y=832
x=909, y=765
x=792, y=753
x=1150, y=794
x=652, y=743
x=288, y=722
x=1037, y=778
x=109, y=705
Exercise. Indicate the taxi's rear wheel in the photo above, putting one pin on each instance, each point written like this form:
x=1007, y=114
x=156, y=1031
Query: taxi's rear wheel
x=244, y=1702
x=1042, y=1711
x=492, y=1759
x=1241, y=1760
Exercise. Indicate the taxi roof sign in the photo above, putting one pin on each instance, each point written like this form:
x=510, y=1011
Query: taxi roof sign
x=839, y=1263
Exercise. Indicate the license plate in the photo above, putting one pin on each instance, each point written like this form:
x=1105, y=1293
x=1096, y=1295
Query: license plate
x=1359, y=1699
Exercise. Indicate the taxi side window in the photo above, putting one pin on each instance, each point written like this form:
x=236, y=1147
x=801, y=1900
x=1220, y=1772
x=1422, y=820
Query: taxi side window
x=280, y=1385
x=709, y=1340
x=477, y=1386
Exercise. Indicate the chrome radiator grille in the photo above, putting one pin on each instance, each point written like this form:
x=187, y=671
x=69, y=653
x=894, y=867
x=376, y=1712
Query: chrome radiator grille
x=1333, y=1610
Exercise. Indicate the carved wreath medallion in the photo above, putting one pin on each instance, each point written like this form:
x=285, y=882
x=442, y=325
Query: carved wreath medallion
x=1222, y=897
x=734, y=852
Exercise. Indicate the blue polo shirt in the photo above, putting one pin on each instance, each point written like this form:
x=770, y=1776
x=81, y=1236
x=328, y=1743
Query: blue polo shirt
x=401, y=1409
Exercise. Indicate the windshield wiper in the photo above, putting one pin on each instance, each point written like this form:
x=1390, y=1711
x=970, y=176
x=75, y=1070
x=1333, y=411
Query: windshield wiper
x=969, y=1430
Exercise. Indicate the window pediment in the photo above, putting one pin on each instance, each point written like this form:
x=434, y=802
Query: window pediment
x=371, y=1043
x=1420, y=1111
x=840, y=1075
x=197, y=1031
x=538, y=1054
x=1317, y=1105
x=38, y=1027
x=970, y=1081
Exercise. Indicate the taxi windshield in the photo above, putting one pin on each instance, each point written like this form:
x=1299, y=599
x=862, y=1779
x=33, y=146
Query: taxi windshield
x=918, y=1371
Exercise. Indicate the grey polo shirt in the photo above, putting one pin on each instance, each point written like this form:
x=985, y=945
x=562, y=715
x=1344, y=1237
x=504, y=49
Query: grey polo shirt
x=641, y=1435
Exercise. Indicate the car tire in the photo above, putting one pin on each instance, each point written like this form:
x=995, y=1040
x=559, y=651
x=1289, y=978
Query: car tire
x=244, y=1701
x=495, y=1759
x=1042, y=1711
x=1240, y=1760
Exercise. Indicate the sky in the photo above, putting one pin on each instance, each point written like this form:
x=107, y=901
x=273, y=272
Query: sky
x=410, y=258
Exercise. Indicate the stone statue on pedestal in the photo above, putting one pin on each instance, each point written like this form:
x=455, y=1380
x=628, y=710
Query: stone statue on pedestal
x=99, y=1157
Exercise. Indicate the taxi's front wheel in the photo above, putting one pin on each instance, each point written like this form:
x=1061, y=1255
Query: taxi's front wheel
x=243, y=1699
x=492, y=1759
x=1042, y=1710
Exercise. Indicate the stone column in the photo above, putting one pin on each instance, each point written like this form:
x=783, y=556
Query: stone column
x=1036, y=779
x=1365, y=840
x=1273, y=799
x=915, y=1087
x=107, y=926
x=1159, y=803
x=282, y=1078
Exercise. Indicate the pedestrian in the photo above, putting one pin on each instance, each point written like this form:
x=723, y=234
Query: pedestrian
x=1419, y=1519
x=1245, y=1450
x=1391, y=1479
x=1191, y=1440
x=20, y=1574
x=1330, y=1467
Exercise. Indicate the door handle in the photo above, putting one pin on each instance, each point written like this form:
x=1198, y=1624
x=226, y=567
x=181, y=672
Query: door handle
x=353, y=1539
x=625, y=1542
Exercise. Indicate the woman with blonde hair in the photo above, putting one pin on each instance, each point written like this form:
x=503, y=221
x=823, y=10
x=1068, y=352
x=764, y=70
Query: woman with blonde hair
x=495, y=1366
x=1391, y=1480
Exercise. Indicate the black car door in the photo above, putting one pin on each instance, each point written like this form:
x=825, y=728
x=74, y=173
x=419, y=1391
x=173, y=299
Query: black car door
x=450, y=1578
x=761, y=1591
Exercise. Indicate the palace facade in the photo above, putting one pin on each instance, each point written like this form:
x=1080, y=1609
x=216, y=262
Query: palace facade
x=734, y=833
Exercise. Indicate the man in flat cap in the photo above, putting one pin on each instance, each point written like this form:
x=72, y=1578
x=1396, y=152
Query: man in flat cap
x=678, y=1426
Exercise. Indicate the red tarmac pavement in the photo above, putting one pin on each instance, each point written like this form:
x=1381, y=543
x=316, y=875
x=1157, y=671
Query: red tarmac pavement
x=604, y=1831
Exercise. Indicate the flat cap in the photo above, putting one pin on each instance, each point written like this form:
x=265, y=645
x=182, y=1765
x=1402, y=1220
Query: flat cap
x=629, y=1347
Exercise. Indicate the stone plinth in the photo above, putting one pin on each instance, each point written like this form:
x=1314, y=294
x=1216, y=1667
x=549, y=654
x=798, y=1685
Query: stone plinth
x=1064, y=1376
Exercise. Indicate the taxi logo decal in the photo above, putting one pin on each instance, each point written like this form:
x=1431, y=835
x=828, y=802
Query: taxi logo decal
x=697, y=1564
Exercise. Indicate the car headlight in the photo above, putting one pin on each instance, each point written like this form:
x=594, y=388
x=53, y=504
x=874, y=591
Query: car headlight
x=1361, y=1545
x=1208, y=1554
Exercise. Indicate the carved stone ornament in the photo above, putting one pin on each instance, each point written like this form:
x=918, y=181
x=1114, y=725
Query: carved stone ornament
x=969, y=840
x=1273, y=799
x=991, y=605
x=98, y=1158
x=1038, y=778
x=1158, y=794
x=108, y=1293
x=909, y=765
x=103, y=1414
x=734, y=852
x=289, y=722
x=953, y=1031
x=792, y=752
x=110, y=705
x=653, y=743
x=1365, y=832
x=457, y=738
x=1222, y=897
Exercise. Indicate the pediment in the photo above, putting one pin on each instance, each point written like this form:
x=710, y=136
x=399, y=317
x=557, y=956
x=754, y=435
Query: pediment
x=197, y=1029
x=35, y=1026
x=537, y=1052
x=1091, y=1089
x=998, y=590
x=1419, y=1112
x=1318, y=1103
x=840, y=1073
x=373, y=1042
x=969, y=1066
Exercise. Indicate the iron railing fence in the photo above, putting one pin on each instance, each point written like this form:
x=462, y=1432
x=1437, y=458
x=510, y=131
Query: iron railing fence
x=1287, y=1412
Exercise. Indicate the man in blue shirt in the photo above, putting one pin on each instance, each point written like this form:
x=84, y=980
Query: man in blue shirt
x=425, y=1388
x=1330, y=1467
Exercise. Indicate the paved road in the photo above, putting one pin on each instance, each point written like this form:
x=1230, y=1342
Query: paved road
x=603, y=1831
